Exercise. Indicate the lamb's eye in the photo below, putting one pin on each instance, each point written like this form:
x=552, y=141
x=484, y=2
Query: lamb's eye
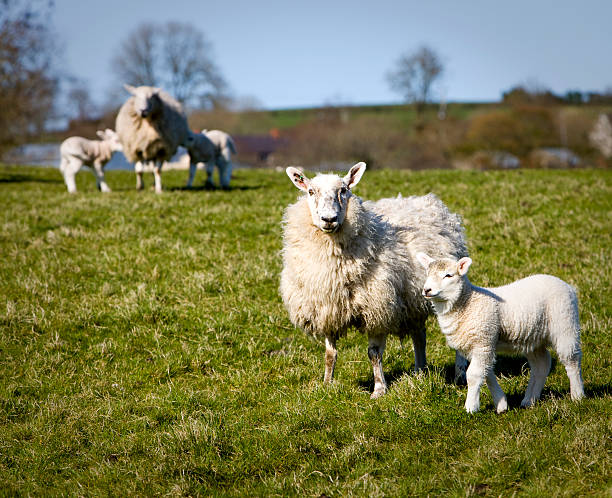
x=310, y=192
x=448, y=275
x=343, y=190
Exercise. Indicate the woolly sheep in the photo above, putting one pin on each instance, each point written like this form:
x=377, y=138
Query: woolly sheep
x=77, y=152
x=523, y=317
x=212, y=147
x=351, y=263
x=151, y=125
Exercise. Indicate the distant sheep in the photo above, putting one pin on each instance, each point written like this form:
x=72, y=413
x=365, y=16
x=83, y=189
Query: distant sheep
x=77, y=152
x=523, y=317
x=212, y=147
x=351, y=263
x=151, y=125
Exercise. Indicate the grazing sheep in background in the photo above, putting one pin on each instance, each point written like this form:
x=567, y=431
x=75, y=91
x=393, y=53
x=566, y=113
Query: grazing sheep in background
x=77, y=152
x=211, y=147
x=351, y=263
x=151, y=125
x=523, y=317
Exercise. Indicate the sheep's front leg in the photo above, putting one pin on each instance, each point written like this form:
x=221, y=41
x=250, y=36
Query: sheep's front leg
x=499, y=397
x=419, y=341
x=331, y=354
x=210, y=171
x=376, y=348
x=193, y=166
x=139, y=169
x=157, y=175
x=99, y=172
x=476, y=374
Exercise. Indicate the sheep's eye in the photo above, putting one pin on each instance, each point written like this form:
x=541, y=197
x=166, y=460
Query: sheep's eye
x=343, y=190
x=448, y=275
x=310, y=192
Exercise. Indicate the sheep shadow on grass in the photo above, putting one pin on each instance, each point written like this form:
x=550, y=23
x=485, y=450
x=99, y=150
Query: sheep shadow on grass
x=21, y=178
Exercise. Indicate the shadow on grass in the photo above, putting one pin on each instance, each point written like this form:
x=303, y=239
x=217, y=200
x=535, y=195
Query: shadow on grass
x=19, y=178
x=391, y=376
x=206, y=188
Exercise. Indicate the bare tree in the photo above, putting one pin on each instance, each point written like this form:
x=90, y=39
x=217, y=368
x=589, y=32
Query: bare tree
x=414, y=76
x=28, y=81
x=175, y=56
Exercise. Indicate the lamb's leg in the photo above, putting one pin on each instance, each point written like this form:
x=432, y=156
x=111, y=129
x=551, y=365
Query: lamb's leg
x=99, y=172
x=193, y=166
x=574, y=372
x=539, y=363
x=461, y=365
x=499, y=397
x=376, y=349
x=419, y=341
x=210, y=171
x=331, y=354
x=157, y=175
x=139, y=169
x=69, y=169
x=225, y=171
x=476, y=374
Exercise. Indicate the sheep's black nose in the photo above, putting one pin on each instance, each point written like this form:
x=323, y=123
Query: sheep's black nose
x=330, y=220
x=426, y=292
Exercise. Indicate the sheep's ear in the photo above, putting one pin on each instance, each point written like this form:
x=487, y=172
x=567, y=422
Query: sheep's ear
x=424, y=259
x=298, y=178
x=101, y=134
x=354, y=175
x=463, y=265
x=131, y=89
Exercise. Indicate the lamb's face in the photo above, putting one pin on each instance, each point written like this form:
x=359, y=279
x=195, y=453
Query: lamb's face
x=445, y=277
x=327, y=195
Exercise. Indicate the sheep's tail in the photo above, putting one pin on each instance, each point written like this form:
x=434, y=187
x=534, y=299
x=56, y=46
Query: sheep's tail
x=231, y=145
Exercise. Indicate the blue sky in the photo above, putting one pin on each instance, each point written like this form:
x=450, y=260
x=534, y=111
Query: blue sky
x=295, y=54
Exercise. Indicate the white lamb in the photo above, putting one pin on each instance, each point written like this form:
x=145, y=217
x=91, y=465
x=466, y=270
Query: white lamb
x=151, y=125
x=523, y=317
x=212, y=147
x=351, y=263
x=77, y=152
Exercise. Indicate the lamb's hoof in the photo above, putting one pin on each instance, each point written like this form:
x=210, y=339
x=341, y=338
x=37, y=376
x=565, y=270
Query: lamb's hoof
x=502, y=406
x=378, y=393
x=527, y=403
x=472, y=408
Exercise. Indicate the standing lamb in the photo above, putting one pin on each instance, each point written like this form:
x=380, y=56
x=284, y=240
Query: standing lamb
x=77, y=152
x=524, y=317
x=352, y=263
x=151, y=125
x=212, y=147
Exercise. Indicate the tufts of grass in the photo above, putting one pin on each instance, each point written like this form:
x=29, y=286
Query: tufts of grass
x=144, y=348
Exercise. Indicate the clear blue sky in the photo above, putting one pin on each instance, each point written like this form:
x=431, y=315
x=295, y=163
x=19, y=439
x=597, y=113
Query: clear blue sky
x=306, y=53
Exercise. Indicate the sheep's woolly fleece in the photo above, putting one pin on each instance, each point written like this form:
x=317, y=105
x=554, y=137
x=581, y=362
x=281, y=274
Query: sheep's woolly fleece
x=366, y=274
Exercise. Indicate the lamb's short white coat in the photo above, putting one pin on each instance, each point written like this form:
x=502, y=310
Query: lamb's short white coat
x=213, y=148
x=151, y=125
x=525, y=317
x=351, y=263
x=77, y=152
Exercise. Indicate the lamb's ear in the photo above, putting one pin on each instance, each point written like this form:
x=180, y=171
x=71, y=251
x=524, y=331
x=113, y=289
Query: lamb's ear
x=131, y=89
x=463, y=265
x=424, y=259
x=354, y=175
x=101, y=134
x=298, y=178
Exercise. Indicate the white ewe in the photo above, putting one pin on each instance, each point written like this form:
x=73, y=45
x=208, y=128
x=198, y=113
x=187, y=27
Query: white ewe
x=523, y=317
x=351, y=263
x=212, y=147
x=151, y=125
x=77, y=152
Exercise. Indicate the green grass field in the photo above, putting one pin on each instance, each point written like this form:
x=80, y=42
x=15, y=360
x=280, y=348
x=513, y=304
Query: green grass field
x=144, y=349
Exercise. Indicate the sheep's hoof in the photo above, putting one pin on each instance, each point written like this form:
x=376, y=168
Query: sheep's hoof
x=502, y=406
x=527, y=403
x=378, y=393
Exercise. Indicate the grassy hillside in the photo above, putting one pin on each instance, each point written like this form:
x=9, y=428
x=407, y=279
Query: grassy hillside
x=144, y=348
